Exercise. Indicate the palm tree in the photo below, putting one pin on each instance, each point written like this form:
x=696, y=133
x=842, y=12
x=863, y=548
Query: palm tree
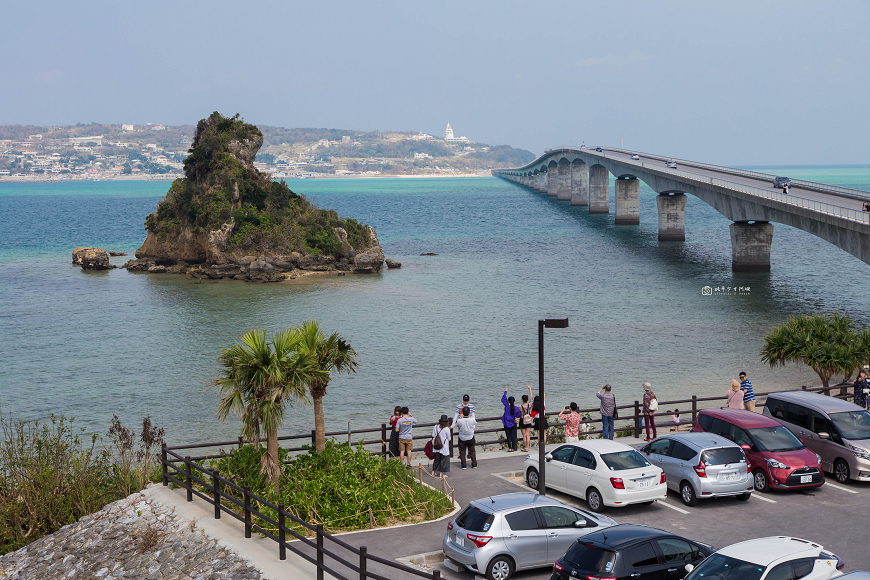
x=260, y=377
x=327, y=354
x=827, y=344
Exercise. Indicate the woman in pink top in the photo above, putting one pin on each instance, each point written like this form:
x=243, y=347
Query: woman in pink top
x=735, y=395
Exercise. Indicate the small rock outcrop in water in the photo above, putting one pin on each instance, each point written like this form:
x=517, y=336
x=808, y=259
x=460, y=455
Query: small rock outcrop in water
x=225, y=219
x=135, y=537
x=393, y=264
x=111, y=253
x=91, y=259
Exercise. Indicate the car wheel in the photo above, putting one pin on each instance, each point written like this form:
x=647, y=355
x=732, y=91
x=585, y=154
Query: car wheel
x=593, y=498
x=687, y=493
x=759, y=479
x=500, y=568
x=532, y=478
x=744, y=496
x=841, y=471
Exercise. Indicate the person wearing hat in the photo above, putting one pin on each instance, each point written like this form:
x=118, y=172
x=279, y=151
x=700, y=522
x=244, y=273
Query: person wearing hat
x=463, y=405
x=441, y=434
x=650, y=404
x=467, y=424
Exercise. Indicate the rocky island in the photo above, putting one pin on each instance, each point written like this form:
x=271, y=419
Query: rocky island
x=225, y=219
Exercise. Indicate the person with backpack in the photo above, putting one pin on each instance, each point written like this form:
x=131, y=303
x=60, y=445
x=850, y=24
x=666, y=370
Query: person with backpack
x=509, y=419
x=467, y=424
x=650, y=405
x=526, y=420
x=405, y=426
x=441, y=446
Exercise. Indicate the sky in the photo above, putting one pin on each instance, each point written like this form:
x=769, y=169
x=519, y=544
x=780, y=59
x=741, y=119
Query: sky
x=738, y=82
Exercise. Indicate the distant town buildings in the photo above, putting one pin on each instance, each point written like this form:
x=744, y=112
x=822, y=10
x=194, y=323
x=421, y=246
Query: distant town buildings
x=127, y=128
x=421, y=155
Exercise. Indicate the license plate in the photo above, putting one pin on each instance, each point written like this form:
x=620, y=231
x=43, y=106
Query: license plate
x=730, y=477
x=644, y=483
x=459, y=541
x=806, y=478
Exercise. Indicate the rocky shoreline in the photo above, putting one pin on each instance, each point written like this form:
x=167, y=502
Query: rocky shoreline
x=136, y=537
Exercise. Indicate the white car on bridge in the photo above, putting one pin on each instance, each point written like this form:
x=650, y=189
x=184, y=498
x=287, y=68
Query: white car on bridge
x=635, y=156
x=603, y=472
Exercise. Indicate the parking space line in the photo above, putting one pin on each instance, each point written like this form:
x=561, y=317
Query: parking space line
x=673, y=507
x=762, y=498
x=827, y=484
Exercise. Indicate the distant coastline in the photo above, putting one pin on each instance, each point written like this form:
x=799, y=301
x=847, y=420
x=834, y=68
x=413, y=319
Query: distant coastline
x=171, y=177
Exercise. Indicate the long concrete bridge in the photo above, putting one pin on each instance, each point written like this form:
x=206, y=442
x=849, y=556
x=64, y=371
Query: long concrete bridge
x=747, y=198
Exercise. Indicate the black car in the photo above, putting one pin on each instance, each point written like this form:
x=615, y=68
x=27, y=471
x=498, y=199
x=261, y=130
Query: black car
x=630, y=552
x=779, y=182
x=598, y=149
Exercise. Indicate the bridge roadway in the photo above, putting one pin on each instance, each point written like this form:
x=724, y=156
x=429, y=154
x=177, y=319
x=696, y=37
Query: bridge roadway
x=580, y=175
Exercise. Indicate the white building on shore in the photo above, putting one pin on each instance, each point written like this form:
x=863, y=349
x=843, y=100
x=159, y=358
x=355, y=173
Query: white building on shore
x=450, y=139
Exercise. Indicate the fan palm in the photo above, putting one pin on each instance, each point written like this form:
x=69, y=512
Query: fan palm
x=327, y=354
x=260, y=376
x=827, y=344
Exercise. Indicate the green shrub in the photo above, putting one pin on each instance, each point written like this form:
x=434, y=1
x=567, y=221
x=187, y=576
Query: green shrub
x=343, y=488
x=50, y=475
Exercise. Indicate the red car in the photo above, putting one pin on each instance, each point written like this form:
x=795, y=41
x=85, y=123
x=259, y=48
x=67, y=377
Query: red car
x=778, y=459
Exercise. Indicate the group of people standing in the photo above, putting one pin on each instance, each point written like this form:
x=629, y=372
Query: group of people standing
x=741, y=395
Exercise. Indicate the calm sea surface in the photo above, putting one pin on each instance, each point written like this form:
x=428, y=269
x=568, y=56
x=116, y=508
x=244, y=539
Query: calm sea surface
x=90, y=344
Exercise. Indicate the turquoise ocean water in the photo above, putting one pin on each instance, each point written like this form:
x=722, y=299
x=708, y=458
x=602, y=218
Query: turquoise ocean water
x=90, y=344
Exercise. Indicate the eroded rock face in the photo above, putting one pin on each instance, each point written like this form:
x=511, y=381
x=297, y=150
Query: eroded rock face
x=217, y=243
x=245, y=151
x=187, y=248
x=347, y=250
x=371, y=258
x=393, y=264
x=91, y=258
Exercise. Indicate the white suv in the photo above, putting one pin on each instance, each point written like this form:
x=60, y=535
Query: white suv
x=774, y=558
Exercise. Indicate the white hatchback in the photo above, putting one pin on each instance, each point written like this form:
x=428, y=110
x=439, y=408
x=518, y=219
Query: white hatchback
x=603, y=472
x=772, y=558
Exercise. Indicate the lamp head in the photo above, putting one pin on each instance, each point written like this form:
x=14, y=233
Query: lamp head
x=555, y=323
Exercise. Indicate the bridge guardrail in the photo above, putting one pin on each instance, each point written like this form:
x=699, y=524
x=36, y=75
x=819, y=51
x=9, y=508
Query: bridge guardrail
x=822, y=187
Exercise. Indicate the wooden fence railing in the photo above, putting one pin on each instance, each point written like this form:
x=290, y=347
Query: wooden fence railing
x=325, y=551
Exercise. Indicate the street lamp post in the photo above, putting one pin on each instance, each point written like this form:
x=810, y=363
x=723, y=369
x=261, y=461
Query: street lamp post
x=548, y=323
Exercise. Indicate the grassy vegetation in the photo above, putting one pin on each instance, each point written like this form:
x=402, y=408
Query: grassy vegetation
x=218, y=186
x=52, y=474
x=343, y=488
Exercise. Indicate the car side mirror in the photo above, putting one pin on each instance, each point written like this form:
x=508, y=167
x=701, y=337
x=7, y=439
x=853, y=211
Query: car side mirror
x=548, y=457
x=824, y=435
x=580, y=524
x=746, y=448
x=689, y=568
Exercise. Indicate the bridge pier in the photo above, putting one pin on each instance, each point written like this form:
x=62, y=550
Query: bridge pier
x=599, y=189
x=563, y=181
x=750, y=246
x=552, y=179
x=672, y=217
x=542, y=182
x=579, y=183
x=627, y=201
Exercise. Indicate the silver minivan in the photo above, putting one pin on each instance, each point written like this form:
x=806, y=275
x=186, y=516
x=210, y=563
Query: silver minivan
x=837, y=430
x=498, y=535
x=701, y=466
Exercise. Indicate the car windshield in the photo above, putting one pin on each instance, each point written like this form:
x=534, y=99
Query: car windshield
x=722, y=456
x=624, y=460
x=589, y=558
x=719, y=567
x=852, y=424
x=775, y=439
x=474, y=520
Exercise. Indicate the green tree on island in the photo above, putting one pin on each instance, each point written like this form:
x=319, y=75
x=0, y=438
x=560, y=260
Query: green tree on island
x=828, y=344
x=262, y=375
x=327, y=354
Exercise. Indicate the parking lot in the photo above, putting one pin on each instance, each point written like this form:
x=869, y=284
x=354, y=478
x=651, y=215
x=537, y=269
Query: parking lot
x=835, y=516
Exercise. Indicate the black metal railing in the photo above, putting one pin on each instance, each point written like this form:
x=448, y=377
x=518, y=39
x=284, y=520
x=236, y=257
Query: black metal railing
x=186, y=472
